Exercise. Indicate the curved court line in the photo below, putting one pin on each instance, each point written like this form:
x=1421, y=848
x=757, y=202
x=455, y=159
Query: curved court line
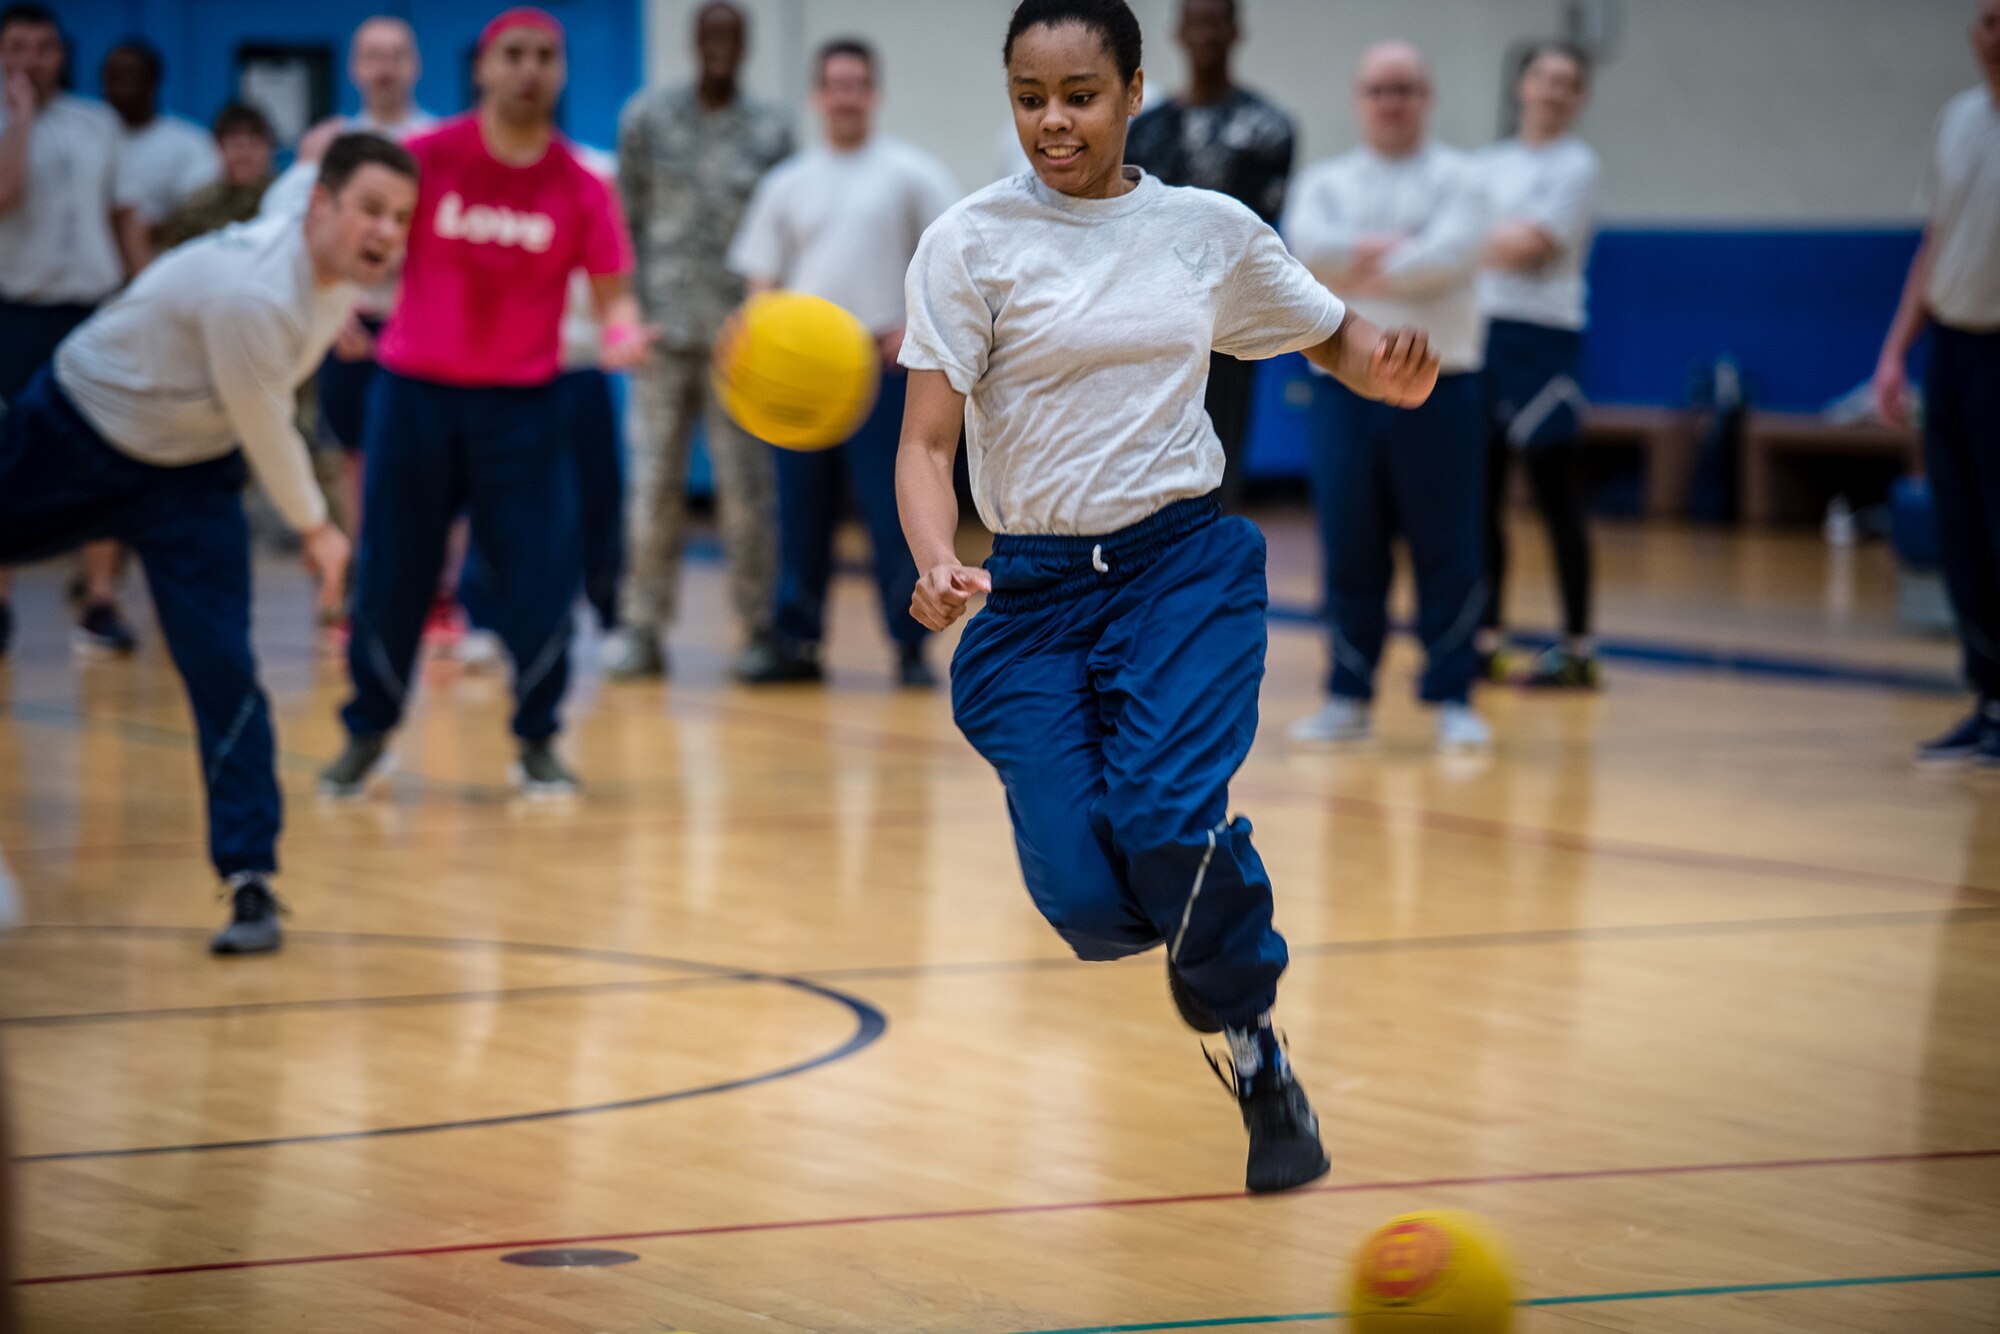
x=1578, y=1299
x=1020, y=1210
x=870, y=1024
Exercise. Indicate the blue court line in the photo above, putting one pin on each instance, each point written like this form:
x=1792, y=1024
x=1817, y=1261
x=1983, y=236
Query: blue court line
x=1580, y=1299
x=869, y=1024
x=1699, y=658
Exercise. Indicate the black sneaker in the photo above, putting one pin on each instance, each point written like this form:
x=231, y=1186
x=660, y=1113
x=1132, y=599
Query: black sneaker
x=1559, y=669
x=912, y=672
x=365, y=759
x=253, y=919
x=1973, y=733
x=540, y=772
x=104, y=630
x=1285, y=1151
x=1198, y=1016
x=772, y=661
x=6, y=627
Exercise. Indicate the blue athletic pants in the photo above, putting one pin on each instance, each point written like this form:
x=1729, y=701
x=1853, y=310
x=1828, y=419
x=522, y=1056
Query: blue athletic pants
x=1112, y=681
x=1377, y=473
x=600, y=477
x=61, y=485
x=504, y=455
x=809, y=496
x=1962, y=455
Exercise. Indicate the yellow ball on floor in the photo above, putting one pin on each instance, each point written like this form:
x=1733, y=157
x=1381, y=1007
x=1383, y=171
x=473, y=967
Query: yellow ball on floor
x=796, y=370
x=1441, y=1271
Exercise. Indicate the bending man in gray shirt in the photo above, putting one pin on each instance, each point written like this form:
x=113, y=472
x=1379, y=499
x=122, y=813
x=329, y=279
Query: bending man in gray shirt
x=139, y=431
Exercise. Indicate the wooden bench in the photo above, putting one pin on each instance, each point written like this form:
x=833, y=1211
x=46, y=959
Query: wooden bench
x=1666, y=441
x=1780, y=447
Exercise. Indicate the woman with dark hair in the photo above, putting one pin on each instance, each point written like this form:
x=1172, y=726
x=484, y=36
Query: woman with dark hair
x=1543, y=189
x=1064, y=317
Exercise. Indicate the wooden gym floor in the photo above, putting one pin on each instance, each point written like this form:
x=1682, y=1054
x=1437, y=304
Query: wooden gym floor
x=1692, y=987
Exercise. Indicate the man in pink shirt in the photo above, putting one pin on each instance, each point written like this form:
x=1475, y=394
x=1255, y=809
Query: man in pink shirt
x=465, y=415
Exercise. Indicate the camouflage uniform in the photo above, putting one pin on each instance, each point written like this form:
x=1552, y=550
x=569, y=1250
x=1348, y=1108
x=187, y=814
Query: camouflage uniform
x=686, y=174
x=209, y=209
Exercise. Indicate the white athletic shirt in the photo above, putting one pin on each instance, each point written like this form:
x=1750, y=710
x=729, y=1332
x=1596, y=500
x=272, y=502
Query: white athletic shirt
x=1962, y=201
x=843, y=225
x=1079, y=331
x=57, y=247
x=1433, y=200
x=205, y=350
x=165, y=161
x=1553, y=187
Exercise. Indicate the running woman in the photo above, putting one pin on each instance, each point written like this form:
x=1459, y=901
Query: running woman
x=1542, y=190
x=466, y=412
x=1065, y=318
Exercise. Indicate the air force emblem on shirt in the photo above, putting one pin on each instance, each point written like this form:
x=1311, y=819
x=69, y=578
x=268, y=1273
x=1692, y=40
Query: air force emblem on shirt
x=492, y=224
x=1196, y=262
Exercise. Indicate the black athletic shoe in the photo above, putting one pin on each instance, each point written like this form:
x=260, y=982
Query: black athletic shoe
x=104, y=630
x=541, y=772
x=1285, y=1151
x=253, y=919
x=912, y=672
x=1559, y=669
x=1197, y=1016
x=773, y=661
x=1972, y=734
x=365, y=758
x=6, y=627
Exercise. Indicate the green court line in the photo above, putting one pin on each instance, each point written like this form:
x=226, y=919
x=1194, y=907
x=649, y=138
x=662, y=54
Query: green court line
x=1581, y=1299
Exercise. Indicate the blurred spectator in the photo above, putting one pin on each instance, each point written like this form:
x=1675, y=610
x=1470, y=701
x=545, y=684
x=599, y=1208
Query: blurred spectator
x=384, y=64
x=688, y=158
x=1954, y=290
x=1219, y=136
x=63, y=200
x=841, y=221
x=167, y=159
x=247, y=145
x=1395, y=227
x=1542, y=186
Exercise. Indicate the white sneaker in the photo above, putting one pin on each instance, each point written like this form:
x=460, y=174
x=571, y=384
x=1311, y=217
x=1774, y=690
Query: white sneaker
x=480, y=651
x=1459, y=728
x=1341, y=720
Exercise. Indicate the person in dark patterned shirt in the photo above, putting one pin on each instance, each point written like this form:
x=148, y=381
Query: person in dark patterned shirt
x=244, y=137
x=1218, y=136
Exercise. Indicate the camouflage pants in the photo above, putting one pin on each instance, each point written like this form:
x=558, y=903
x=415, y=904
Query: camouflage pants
x=667, y=393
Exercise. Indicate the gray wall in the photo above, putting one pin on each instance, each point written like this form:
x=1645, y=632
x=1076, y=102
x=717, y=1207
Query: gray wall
x=1769, y=112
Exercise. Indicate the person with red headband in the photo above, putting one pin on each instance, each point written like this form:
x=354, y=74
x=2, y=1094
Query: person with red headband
x=465, y=414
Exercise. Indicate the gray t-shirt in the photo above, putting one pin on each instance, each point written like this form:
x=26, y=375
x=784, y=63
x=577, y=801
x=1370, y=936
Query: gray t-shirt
x=1554, y=188
x=843, y=225
x=57, y=246
x=1080, y=330
x=1962, y=201
x=205, y=350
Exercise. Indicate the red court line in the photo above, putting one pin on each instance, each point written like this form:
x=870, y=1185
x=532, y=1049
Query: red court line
x=1015, y=1210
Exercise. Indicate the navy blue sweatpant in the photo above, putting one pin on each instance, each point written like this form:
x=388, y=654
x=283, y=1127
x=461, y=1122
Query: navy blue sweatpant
x=1962, y=455
x=600, y=477
x=435, y=451
x=1112, y=682
x=61, y=485
x=809, y=496
x=1420, y=473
